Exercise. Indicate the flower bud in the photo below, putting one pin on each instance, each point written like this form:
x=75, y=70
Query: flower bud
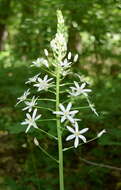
x=36, y=141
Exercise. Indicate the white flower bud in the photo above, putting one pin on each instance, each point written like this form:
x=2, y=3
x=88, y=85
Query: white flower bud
x=101, y=133
x=69, y=55
x=76, y=57
x=46, y=52
x=60, y=17
x=36, y=141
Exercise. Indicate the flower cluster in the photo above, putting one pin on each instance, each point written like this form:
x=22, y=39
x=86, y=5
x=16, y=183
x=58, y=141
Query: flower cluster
x=31, y=103
x=67, y=114
x=58, y=65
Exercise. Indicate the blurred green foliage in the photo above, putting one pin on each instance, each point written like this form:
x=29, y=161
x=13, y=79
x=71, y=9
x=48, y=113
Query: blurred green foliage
x=26, y=28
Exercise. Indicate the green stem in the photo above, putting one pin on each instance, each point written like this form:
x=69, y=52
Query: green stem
x=65, y=149
x=47, y=120
x=47, y=133
x=44, y=151
x=49, y=72
x=40, y=107
x=47, y=99
x=33, y=161
x=59, y=132
x=83, y=107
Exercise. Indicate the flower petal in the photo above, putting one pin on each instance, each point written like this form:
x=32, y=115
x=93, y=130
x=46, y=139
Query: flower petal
x=38, y=116
x=58, y=112
x=76, y=127
x=35, y=125
x=83, y=138
x=62, y=107
x=27, y=128
x=70, y=119
x=70, y=129
x=83, y=85
x=74, y=112
x=46, y=77
x=83, y=130
x=49, y=79
x=69, y=106
x=87, y=90
x=76, y=84
x=23, y=123
x=70, y=137
x=63, y=118
x=28, y=116
x=76, y=142
x=34, y=113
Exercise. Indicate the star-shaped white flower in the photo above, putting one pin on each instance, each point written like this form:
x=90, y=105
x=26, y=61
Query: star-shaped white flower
x=33, y=79
x=77, y=90
x=65, y=63
x=43, y=84
x=30, y=120
x=66, y=113
x=39, y=62
x=76, y=134
x=30, y=104
x=23, y=97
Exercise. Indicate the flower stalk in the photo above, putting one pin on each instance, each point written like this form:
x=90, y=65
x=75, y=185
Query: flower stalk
x=59, y=132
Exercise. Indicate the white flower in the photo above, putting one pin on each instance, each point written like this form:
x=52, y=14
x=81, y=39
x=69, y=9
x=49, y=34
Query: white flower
x=66, y=113
x=24, y=96
x=46, y=52
x=43, y=84
x=30, y=120
x=32, y=79
x=77, y=134
x=65, y=67
x=39, y=62
x=76, y=58
x=77, y=90
x=30, y=104
x=65, y=73
x=65, y=63
x=101, y=133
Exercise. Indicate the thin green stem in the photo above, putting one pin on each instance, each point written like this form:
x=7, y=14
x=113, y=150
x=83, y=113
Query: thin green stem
x=47, y=120
x=52, y=92
x=47, y=99
x=34, y=161
x=59, y=132
x=47, y=133
x=44, y=151
x=65, y=149
x=40, y=107
x=49, y=72
x=83, y=107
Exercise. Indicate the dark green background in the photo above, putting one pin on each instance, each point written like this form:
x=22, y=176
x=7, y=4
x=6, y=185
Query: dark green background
x=94, y=28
